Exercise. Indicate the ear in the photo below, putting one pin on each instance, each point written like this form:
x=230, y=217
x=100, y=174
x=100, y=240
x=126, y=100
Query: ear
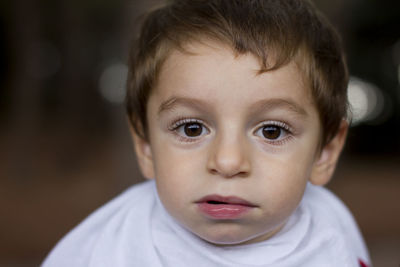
x=325, y=163
x=143, y=154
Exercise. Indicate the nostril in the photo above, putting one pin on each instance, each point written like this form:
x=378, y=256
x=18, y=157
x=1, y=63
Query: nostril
x=229, y=159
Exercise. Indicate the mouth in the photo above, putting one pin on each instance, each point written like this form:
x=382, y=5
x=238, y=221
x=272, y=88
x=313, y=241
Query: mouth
x=220, y=200
x=220, y=207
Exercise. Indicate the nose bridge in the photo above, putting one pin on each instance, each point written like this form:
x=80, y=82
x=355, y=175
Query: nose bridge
x=229, y=153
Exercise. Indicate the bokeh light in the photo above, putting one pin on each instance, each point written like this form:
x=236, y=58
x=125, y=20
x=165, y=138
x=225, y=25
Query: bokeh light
x=112, y=82
x=366, y=101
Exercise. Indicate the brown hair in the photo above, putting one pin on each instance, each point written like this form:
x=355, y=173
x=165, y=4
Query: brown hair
x=275, y=31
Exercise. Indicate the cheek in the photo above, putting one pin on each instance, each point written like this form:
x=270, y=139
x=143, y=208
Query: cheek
x=178, y=183
x=178, y=175
x=284, y=178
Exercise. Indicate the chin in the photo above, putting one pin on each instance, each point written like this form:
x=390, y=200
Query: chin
x=226, y=241
x=226, y=237
x=231, y=235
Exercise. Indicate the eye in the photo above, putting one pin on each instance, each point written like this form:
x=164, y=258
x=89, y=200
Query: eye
x=193, y=129
x=273, y=131
x=189, y=129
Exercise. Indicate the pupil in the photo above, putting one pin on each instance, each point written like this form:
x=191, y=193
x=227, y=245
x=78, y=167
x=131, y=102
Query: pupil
x=271, y=132
x=193, y=129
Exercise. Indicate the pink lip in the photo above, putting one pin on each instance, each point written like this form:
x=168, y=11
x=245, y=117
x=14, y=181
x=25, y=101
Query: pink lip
x=219, y=207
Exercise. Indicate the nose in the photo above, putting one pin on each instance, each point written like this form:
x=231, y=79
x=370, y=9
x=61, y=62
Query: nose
x=229, y=156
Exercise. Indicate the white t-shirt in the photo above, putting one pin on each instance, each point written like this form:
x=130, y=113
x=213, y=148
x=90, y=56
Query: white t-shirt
x=134, y=229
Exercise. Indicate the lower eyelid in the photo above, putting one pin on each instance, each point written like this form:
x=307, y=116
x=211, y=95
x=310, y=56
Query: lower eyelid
x=186, y=139
x=280, y=141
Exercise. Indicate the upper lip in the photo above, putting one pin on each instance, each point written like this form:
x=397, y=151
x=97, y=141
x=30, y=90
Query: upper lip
x=233, y=200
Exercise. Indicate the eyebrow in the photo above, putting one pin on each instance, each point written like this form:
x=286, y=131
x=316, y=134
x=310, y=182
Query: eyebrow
x=279, y=103
x=258, y=107
x=172, y=102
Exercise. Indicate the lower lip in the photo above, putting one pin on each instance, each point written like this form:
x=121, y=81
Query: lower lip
x=223, y=211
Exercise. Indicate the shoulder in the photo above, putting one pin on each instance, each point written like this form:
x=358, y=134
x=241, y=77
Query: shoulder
x=330, y=210
x=76, y=247
x=332, y=219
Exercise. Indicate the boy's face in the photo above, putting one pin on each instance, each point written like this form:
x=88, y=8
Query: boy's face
x=231, y=150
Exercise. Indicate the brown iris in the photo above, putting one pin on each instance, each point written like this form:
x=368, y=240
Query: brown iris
x=193, y=129
x=271, y=132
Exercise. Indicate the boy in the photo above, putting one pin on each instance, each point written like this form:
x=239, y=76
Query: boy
x=238, y=112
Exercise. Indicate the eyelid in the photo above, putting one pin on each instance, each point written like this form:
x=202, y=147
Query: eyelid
x=281, y=124
x=181, y=121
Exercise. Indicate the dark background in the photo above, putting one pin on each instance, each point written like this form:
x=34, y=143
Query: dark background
x=65, y=147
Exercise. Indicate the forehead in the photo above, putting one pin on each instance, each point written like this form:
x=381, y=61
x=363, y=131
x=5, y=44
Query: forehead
x=206, y=67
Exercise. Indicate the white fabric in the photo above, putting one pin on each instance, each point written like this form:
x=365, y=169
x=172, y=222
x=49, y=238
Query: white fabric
x=135, y=230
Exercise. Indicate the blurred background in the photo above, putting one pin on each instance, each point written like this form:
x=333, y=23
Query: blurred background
x=65, y=147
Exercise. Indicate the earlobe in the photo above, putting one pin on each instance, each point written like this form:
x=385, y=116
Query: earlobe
x=325, y=164
x=144, y=155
